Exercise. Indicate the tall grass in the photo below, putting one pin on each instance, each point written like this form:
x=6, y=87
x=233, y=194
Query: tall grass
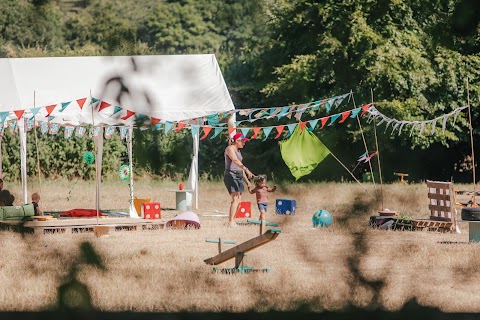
x=347, y=264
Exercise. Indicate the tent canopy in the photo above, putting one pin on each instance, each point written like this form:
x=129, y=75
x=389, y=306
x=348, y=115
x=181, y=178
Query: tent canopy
x=167, y=87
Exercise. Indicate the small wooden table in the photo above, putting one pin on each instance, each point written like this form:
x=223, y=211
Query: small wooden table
x=402, y=175
x=181, y=199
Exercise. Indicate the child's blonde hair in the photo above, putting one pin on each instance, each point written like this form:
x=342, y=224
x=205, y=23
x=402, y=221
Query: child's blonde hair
x=258, y=179
x=35, y=196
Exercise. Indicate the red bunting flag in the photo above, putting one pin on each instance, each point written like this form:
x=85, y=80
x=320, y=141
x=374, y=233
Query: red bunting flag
x=19, y=113
x=206, y=131
x=103, y=105
x=279, y=130
x=50, y=110
x=324, y=121
x=180, y=126
x=302, y=125
x=231, y=130
x=81, y=102
x=154, y=120
x=255, y=132
x=365, y=108
x=129, y=114
x=345, y=115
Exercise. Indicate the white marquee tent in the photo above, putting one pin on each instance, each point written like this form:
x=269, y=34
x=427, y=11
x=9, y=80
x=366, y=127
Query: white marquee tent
x=170, y=88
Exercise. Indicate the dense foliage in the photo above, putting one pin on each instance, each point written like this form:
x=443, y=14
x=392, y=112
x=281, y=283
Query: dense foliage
x=412, y=57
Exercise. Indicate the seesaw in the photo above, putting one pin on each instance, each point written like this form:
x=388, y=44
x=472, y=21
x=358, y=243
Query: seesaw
x=239, y=251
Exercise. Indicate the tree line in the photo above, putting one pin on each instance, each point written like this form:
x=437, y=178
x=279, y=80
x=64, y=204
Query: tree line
x=412, y=58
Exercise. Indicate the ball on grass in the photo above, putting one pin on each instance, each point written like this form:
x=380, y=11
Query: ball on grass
x=322, y=218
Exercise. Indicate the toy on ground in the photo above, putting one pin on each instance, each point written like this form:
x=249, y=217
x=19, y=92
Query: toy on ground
x=239, y=251
x=322, y=218
x=89, y=157
x=285, y=206
x=151, y=210
x=185, y=220
x=244, y=210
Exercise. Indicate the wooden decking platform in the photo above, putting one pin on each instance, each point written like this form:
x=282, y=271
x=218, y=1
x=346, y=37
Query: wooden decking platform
x=79, y=225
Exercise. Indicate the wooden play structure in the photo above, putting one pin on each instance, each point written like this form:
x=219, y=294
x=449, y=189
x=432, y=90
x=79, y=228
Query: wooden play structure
x=238, y=252
x=442, y=212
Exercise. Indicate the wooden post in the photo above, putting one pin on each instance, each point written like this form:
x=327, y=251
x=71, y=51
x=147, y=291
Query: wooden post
x=262, y=226
x=239, y=258
x=219, y=245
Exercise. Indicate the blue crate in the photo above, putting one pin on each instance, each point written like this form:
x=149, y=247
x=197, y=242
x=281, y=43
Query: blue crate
x=285, y=206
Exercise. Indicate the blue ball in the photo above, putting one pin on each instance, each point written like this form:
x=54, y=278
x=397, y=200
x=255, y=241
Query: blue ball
x=322, y=218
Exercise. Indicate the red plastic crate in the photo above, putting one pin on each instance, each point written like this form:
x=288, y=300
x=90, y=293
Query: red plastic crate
x=151, y=210
x=244, y=210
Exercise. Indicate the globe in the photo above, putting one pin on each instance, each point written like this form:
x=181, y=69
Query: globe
x=322, y=218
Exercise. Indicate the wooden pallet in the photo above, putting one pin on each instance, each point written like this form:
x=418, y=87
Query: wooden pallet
x=81, y=225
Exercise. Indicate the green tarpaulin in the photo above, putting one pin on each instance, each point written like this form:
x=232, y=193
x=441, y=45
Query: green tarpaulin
x=302, y=152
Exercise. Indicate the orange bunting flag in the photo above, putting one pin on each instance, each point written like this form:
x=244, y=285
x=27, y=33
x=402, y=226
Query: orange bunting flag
x=154, y=120
x=324, y=121
x=302, y=125
x=19, y=113
x=345, y=115
x=231, y=130
x=180, y=126
x=81, y=102
x=365, y=108
x=103, y=105
x=279, y=130
x=129, y=114
x=50, y=110
x=206, y=131
x=255, y=132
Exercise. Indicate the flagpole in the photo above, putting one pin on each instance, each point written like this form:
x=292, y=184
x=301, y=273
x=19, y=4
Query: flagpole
x=378, y=154
x=353, y=176
x=471, y=142
x=364, y=141
x=36, y=146
x=97, y=203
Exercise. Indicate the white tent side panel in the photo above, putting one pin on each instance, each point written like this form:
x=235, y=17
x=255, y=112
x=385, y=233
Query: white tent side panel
x=170, y=87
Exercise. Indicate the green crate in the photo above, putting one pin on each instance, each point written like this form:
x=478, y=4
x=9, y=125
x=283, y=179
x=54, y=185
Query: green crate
x=28, y=210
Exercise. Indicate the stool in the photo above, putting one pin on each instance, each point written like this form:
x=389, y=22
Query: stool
x=285, y=206
x=181, y=200
x=244, y=210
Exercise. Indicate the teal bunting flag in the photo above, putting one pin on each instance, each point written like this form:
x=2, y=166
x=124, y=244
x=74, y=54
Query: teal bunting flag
x=50, y=118
x=213, y=120
x=158, y=126
x=334, y=118
x=3, y=116
x=355, y=112
x=116, y=109
x=329, y=104
x=34, y=111
x=217, y=132
x=93, y=101
x=284, y=112
x=313, y=124
x=245, y=131
x=291, y=128
x=267, y=131
x=64, y=105
x=168, y=126
x=195, y=130
x=340, y=99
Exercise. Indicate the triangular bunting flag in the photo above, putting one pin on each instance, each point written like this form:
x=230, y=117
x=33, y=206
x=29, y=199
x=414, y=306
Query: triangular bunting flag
x=34, y=111
x=103, y=105
x=154, y=120
x=283, y=112
x=267, y=131
x=168, y=126
x=129, y=114
x=180, y=126
x=4, y=115
x=93, y=101
x=231, y=130
x=50, y=110
x=355, y=112
x=365, y=108
x=19, y=113
x=117, y=109
x=279, y=131
x=81, y=102
x=302, y=125
x=313, y=124
x=362, y=157
x=218, y=130
x=291, y=127
x=324, y=121
x=329, y=104
x=245, y=131
x=206, y=131
x=345, y=116
x=256, y=130
x=334, y=118
x=64, y=105
x=195, y=129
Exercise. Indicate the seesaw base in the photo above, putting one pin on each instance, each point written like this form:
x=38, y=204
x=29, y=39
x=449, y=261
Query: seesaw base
x=240, y=270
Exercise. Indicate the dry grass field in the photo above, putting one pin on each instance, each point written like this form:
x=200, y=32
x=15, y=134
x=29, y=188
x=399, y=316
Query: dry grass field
x=347, y=264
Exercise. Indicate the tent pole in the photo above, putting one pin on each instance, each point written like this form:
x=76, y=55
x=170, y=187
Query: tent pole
x=23, y=158
x=98, y=167
x=133, y=212
x=196, y=146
